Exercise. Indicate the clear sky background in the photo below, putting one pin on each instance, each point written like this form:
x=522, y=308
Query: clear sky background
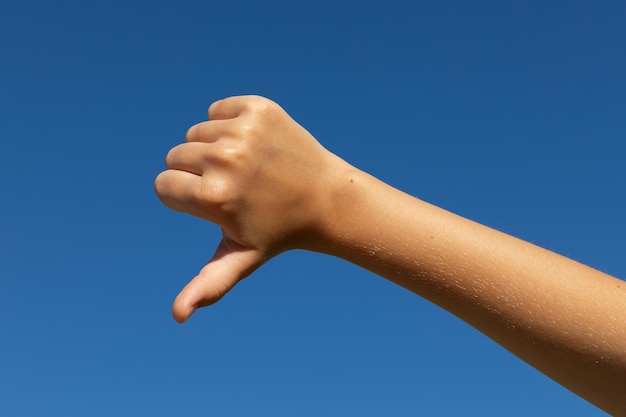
x=509, y=113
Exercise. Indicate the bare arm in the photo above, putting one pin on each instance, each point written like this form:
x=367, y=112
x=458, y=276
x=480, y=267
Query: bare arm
x=272, y=188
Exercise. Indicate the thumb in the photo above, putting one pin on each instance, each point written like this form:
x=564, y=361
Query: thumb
x=229, y=265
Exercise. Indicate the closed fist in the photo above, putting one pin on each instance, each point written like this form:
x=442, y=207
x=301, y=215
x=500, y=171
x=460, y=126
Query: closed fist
x=259, y=175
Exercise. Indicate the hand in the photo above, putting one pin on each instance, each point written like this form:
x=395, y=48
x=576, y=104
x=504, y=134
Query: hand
x=259, y=175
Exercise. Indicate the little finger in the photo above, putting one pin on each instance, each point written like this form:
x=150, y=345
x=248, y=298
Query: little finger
x=177, y=189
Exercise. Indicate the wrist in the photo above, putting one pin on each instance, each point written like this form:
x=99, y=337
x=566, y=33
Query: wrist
x=344, y=211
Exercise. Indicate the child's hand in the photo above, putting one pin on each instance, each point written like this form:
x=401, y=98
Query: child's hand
x=259, y=175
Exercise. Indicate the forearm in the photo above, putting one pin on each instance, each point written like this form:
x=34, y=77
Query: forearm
x=542, y=307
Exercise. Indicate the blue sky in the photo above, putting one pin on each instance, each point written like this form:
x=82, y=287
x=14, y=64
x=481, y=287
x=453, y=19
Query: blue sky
x=509, y=113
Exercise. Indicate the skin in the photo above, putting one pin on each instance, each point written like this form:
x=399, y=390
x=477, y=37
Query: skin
x=272, y=187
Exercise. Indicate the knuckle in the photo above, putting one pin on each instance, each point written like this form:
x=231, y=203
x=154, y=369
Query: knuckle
x=163, y=188
x=233, y=157
x=171, y=157
x=264, y=107
x=191, y=133
x=218, y=107
x=213, y=108
x=159, y=184
x=197, y=133
x=180, y=157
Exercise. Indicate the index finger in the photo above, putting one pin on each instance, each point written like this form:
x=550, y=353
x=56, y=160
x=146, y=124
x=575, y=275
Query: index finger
x=227, y=108
x=232, y=107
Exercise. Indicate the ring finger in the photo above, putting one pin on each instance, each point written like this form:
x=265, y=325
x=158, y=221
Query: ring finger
x=190, y=157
